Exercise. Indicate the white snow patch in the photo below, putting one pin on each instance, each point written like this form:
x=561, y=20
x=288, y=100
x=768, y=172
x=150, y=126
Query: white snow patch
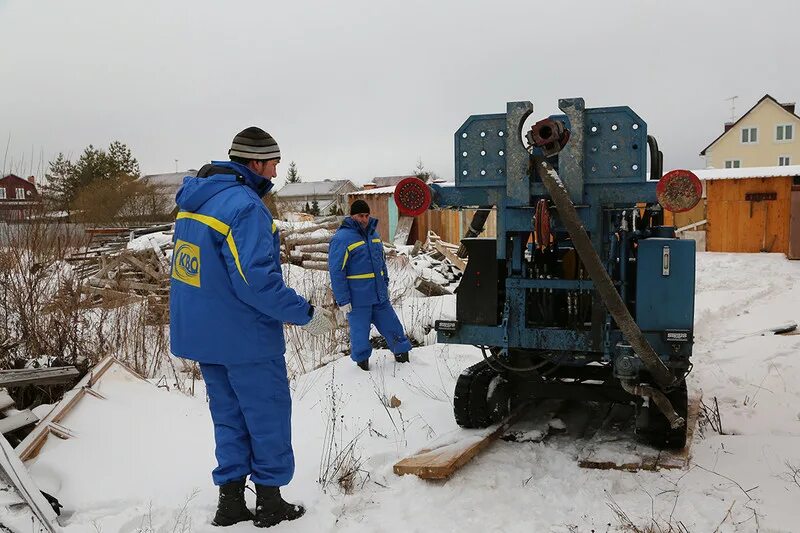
x=145, y=454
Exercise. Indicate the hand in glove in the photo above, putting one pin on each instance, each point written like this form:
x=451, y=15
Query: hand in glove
x=341, y=314
x=321, y=321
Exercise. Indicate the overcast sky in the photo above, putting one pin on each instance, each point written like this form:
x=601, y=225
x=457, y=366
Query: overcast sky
x=356, y=89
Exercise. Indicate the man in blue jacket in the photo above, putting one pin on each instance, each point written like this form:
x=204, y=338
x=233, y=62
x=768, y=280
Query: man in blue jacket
x=360, y=280
x=228, y=303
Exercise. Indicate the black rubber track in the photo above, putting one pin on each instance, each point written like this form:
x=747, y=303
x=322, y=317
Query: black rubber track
x=462, y=395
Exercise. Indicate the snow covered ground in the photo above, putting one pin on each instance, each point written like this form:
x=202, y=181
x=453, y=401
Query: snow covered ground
x=142, y=458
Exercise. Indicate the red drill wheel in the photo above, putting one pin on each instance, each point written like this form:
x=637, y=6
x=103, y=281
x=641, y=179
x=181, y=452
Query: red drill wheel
x=679, y=190
x=412, y=196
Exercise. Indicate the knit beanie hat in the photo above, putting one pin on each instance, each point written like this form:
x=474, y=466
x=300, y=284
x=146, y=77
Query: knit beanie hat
x=254, y=143
x=359, y=206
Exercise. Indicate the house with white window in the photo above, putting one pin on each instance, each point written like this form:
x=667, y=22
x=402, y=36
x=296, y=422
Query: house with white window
x=330, y=195
x=765, y=136
x=19, y=198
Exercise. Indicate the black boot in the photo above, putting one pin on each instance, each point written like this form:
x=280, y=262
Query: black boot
x=401, y=357
x=231, y=508
x=271, y=509
x=363, y=365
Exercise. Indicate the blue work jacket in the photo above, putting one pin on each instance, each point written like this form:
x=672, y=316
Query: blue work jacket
x=357, y=264
x=228, y=300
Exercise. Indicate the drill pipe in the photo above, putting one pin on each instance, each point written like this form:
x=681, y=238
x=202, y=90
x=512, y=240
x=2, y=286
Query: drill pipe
x=602, y=282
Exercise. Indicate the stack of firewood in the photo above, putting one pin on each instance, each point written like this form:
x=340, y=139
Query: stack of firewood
x=111, y=269
x=308, y=246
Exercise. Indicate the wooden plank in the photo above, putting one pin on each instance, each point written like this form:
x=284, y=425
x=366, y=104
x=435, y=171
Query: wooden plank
x=442, y=462
x=13, y=469
x=135, y=262
x=124, y=297
x=403, y=230
x=6, y=400
x=38, y=376
x=429, y=288
x=121, y=284
x=691, y=226
x=450, y=255
x=163, y=262
x=614, y=445
x=16, y=421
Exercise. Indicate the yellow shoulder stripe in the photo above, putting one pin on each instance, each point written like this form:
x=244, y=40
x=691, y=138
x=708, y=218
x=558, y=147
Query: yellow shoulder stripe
x=274, y=227
x=376, y=240
x=221, y=227
x=211, y=222
x=350, y=249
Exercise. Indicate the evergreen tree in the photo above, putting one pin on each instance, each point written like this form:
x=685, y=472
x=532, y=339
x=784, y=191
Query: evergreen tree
x=422, y=173
x=314, y=208
x=291, y=175
x=66, y=179
x=307, y=209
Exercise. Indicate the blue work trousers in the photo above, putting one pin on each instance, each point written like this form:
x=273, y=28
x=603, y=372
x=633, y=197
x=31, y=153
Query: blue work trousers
x=385, y=319
x=252, y=412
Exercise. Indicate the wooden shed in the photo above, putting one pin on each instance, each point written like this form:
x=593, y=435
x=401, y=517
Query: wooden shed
x=449, y=224
x=752, y=209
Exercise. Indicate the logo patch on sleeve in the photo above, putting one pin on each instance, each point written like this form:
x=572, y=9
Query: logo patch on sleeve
x=186, y=263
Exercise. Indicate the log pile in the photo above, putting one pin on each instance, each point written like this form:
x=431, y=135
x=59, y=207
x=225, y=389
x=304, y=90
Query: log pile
x=308, y=246
x=109, y=270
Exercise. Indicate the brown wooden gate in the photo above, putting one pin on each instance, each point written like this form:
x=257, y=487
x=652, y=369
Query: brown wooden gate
x=749, y=215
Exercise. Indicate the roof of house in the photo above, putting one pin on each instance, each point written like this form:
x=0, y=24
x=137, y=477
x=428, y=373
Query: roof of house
x=314, y=188
x=170, y=179
x=390, y=188
x=789, y=108
x=385, y=181
x=14, y=177
x=377, y=190
x=747, y=172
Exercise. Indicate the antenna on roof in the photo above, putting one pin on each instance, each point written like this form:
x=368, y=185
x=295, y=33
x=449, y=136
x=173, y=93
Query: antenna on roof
x=733, y=107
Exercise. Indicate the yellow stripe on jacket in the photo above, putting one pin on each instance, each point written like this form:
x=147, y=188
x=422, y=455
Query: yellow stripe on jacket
x=220, y=227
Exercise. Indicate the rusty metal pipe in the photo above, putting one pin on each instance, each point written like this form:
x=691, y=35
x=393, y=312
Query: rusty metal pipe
x=602, y=281
x=660, y=399
x=475, y=229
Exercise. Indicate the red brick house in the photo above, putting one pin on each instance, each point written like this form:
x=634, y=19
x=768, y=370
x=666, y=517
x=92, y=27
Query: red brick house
x=18, y=198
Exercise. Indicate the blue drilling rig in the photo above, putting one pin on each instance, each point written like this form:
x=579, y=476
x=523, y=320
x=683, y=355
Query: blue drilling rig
x=584, y=294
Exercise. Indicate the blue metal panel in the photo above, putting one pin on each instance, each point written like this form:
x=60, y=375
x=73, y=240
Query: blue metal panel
x=665, y=293
x=480, y=151
x=450, y=196
x=616, y=146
